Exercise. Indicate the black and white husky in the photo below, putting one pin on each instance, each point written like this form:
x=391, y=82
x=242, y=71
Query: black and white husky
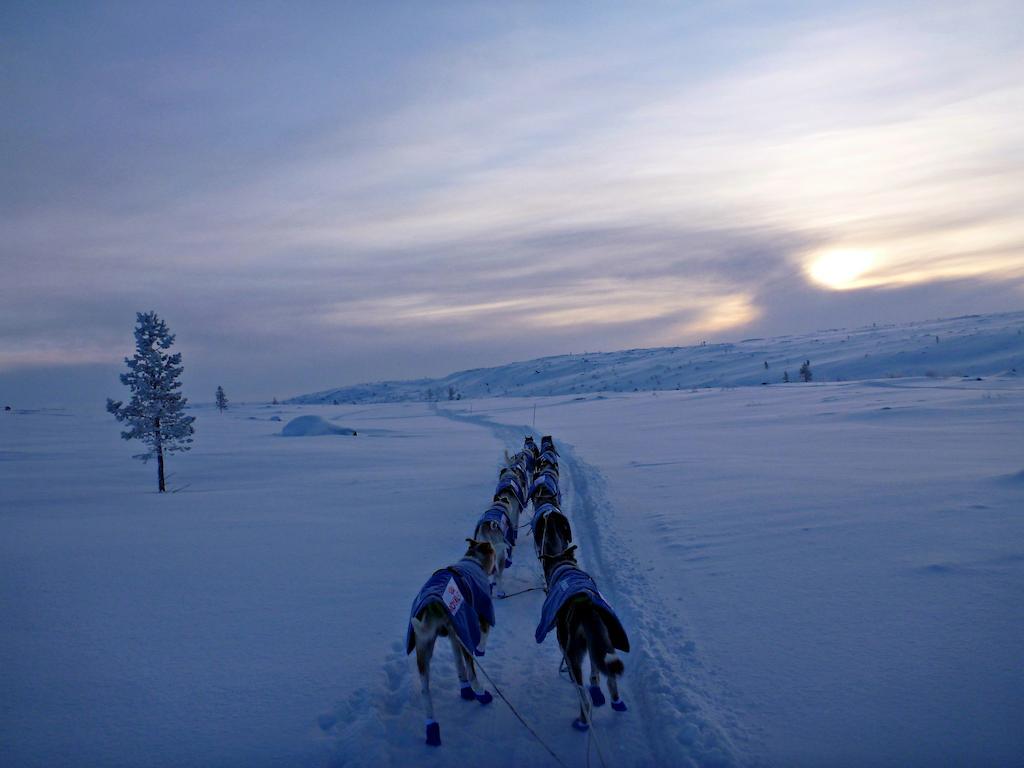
x=497, y=528
x=550, y=516
x=585, y=624
x=454, y=603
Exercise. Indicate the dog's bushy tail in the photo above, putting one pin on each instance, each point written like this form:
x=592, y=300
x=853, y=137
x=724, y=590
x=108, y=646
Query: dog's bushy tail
x=614, y=665
x=599, y=644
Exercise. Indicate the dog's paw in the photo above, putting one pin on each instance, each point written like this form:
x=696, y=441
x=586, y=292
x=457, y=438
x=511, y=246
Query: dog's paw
x=501, y=594
x=467, y=694
x=596, y=695
x=618, y=705
x=478, y=652
x=580, y=725
x=433, y=734
x=485, y=697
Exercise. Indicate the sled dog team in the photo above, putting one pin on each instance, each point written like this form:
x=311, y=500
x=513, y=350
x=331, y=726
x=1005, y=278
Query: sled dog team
x=456, y=601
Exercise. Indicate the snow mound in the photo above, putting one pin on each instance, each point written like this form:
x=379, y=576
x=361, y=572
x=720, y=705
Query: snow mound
x=313, y=426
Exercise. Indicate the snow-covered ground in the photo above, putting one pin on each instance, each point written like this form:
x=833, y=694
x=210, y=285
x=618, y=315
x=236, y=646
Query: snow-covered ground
x=816, y=574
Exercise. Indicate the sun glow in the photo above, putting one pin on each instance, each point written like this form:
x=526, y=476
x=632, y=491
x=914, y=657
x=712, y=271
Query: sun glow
x=841, y=270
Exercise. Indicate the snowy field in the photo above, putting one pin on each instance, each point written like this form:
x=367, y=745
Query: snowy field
x=815, y=574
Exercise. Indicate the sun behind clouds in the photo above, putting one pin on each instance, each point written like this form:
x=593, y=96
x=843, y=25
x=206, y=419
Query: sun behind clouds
x=841, y=270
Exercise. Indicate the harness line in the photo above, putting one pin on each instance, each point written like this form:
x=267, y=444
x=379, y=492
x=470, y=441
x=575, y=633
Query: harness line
x=586, y=706
x=520, y=592
x=515, y=712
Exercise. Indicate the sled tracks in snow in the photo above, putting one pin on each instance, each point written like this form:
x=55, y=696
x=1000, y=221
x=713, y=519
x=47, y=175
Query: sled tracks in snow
x=664, y=673
x=676, y=717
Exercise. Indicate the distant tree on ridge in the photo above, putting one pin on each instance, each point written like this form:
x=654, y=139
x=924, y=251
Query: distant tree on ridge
x=222, y=400
x=805, y=371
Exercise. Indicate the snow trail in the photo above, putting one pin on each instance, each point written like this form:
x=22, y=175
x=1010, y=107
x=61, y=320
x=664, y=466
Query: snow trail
x=664, y=683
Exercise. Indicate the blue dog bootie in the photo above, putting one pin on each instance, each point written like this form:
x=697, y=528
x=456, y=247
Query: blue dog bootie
x=485, y=697
x=467, y=693
x=433, y=733
x=579, y=725
x=618, y=705
x=596, y=695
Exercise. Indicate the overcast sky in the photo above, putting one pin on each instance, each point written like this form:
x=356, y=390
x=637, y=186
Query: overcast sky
x=326, y=193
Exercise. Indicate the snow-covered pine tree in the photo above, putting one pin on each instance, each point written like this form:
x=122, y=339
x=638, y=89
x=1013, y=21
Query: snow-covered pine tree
x=156, y=413
x=222, y=400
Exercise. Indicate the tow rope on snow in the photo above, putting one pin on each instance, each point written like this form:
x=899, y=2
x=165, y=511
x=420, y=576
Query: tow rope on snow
x=519, y=717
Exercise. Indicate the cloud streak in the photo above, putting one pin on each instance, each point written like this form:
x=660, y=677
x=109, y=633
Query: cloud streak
x=509, y=184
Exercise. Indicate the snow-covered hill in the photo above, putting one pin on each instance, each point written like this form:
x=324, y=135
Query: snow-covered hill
x=973, y=345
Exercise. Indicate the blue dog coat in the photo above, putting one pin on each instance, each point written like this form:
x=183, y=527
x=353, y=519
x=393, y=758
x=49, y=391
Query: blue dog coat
x=510, y=484
x=497, y=514
x=549, y=457
x=566, y=582
x=550, y=486
x=540, y=512
x=465, y=593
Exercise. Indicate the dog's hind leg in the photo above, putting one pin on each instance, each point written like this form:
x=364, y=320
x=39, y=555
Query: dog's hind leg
x=501, y=555
x=470, y=688
x=424, y=652
x=575, y=661
x=613, y=688
x=574, y=646
x=596, y=695
x=465, y=688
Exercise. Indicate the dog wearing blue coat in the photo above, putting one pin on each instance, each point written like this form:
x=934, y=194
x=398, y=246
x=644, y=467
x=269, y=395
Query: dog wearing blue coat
x=498, y=528
x=585, y=624
x=455, y=603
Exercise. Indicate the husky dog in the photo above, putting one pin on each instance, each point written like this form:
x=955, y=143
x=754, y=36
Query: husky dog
x=545, y=489
x=497, y=528
x=517, y=473
x=546, y=468
x=531, y=447
x=548, y=460
x=585, y=624
x=548, y=516
x=512, y=489
x=521, y=464
x=455, y=603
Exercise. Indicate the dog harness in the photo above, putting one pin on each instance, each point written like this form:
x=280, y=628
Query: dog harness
x=548, y=485
x=548, y=457
x=465, y=594
x=539, y=514
x=568, y=581
x=510, y=484
x=497, y=514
